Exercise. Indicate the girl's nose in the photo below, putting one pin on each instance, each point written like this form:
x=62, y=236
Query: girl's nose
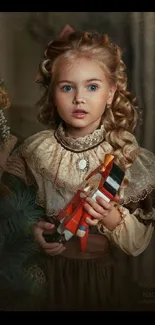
x=79, y=99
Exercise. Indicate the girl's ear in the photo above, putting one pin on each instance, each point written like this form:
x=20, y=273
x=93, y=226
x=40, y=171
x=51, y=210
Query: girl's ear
x=111, y=94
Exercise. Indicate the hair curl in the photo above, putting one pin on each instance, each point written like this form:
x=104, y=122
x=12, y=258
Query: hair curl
x=120, y=118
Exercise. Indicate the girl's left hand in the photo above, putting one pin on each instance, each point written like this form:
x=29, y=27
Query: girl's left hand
x=98, y=209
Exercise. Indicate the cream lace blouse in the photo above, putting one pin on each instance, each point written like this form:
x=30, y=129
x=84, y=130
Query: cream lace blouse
x=59, y=165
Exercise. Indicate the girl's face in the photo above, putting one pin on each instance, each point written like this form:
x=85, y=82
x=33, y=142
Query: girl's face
x=81, y=94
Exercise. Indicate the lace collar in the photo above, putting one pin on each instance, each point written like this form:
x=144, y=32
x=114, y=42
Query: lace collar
x=80, y=144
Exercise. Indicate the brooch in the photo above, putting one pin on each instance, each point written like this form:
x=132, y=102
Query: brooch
x=82, y=164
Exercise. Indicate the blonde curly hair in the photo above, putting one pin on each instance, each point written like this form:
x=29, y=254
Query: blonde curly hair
x=120, y=118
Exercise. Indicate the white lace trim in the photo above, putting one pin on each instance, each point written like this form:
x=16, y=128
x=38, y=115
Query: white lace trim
x=82, y=143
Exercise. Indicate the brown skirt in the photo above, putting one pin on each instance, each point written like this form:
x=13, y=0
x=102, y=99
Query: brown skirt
x=91, y=284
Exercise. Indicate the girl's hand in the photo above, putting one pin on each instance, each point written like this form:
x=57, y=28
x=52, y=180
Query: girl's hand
x=49, y=248
x=102, y=210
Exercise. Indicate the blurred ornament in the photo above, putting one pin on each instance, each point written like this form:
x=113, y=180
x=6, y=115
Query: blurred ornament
x=7, y=140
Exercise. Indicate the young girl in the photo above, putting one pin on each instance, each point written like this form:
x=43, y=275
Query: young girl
x=90, y=113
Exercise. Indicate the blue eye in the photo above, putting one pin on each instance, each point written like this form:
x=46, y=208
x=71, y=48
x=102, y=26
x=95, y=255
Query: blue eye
x=67, y=88
x=92, y=87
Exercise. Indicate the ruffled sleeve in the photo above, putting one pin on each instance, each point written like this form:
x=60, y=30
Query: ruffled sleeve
x=130, y=235
x=134, y=232
x=141, y=177
x=17, y=166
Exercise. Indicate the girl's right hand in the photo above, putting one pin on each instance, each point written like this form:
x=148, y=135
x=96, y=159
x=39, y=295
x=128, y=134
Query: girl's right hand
x=49, y=248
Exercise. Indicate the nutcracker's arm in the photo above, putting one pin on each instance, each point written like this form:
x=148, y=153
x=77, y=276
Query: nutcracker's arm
x=70, y=216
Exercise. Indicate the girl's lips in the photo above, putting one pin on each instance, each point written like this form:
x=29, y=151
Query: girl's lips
x=79, y=114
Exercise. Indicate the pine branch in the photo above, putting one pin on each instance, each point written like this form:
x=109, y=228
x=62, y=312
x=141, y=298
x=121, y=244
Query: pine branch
x=18, y=212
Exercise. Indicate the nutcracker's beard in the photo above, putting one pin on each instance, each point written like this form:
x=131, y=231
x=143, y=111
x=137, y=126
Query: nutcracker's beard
x=91, y=185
